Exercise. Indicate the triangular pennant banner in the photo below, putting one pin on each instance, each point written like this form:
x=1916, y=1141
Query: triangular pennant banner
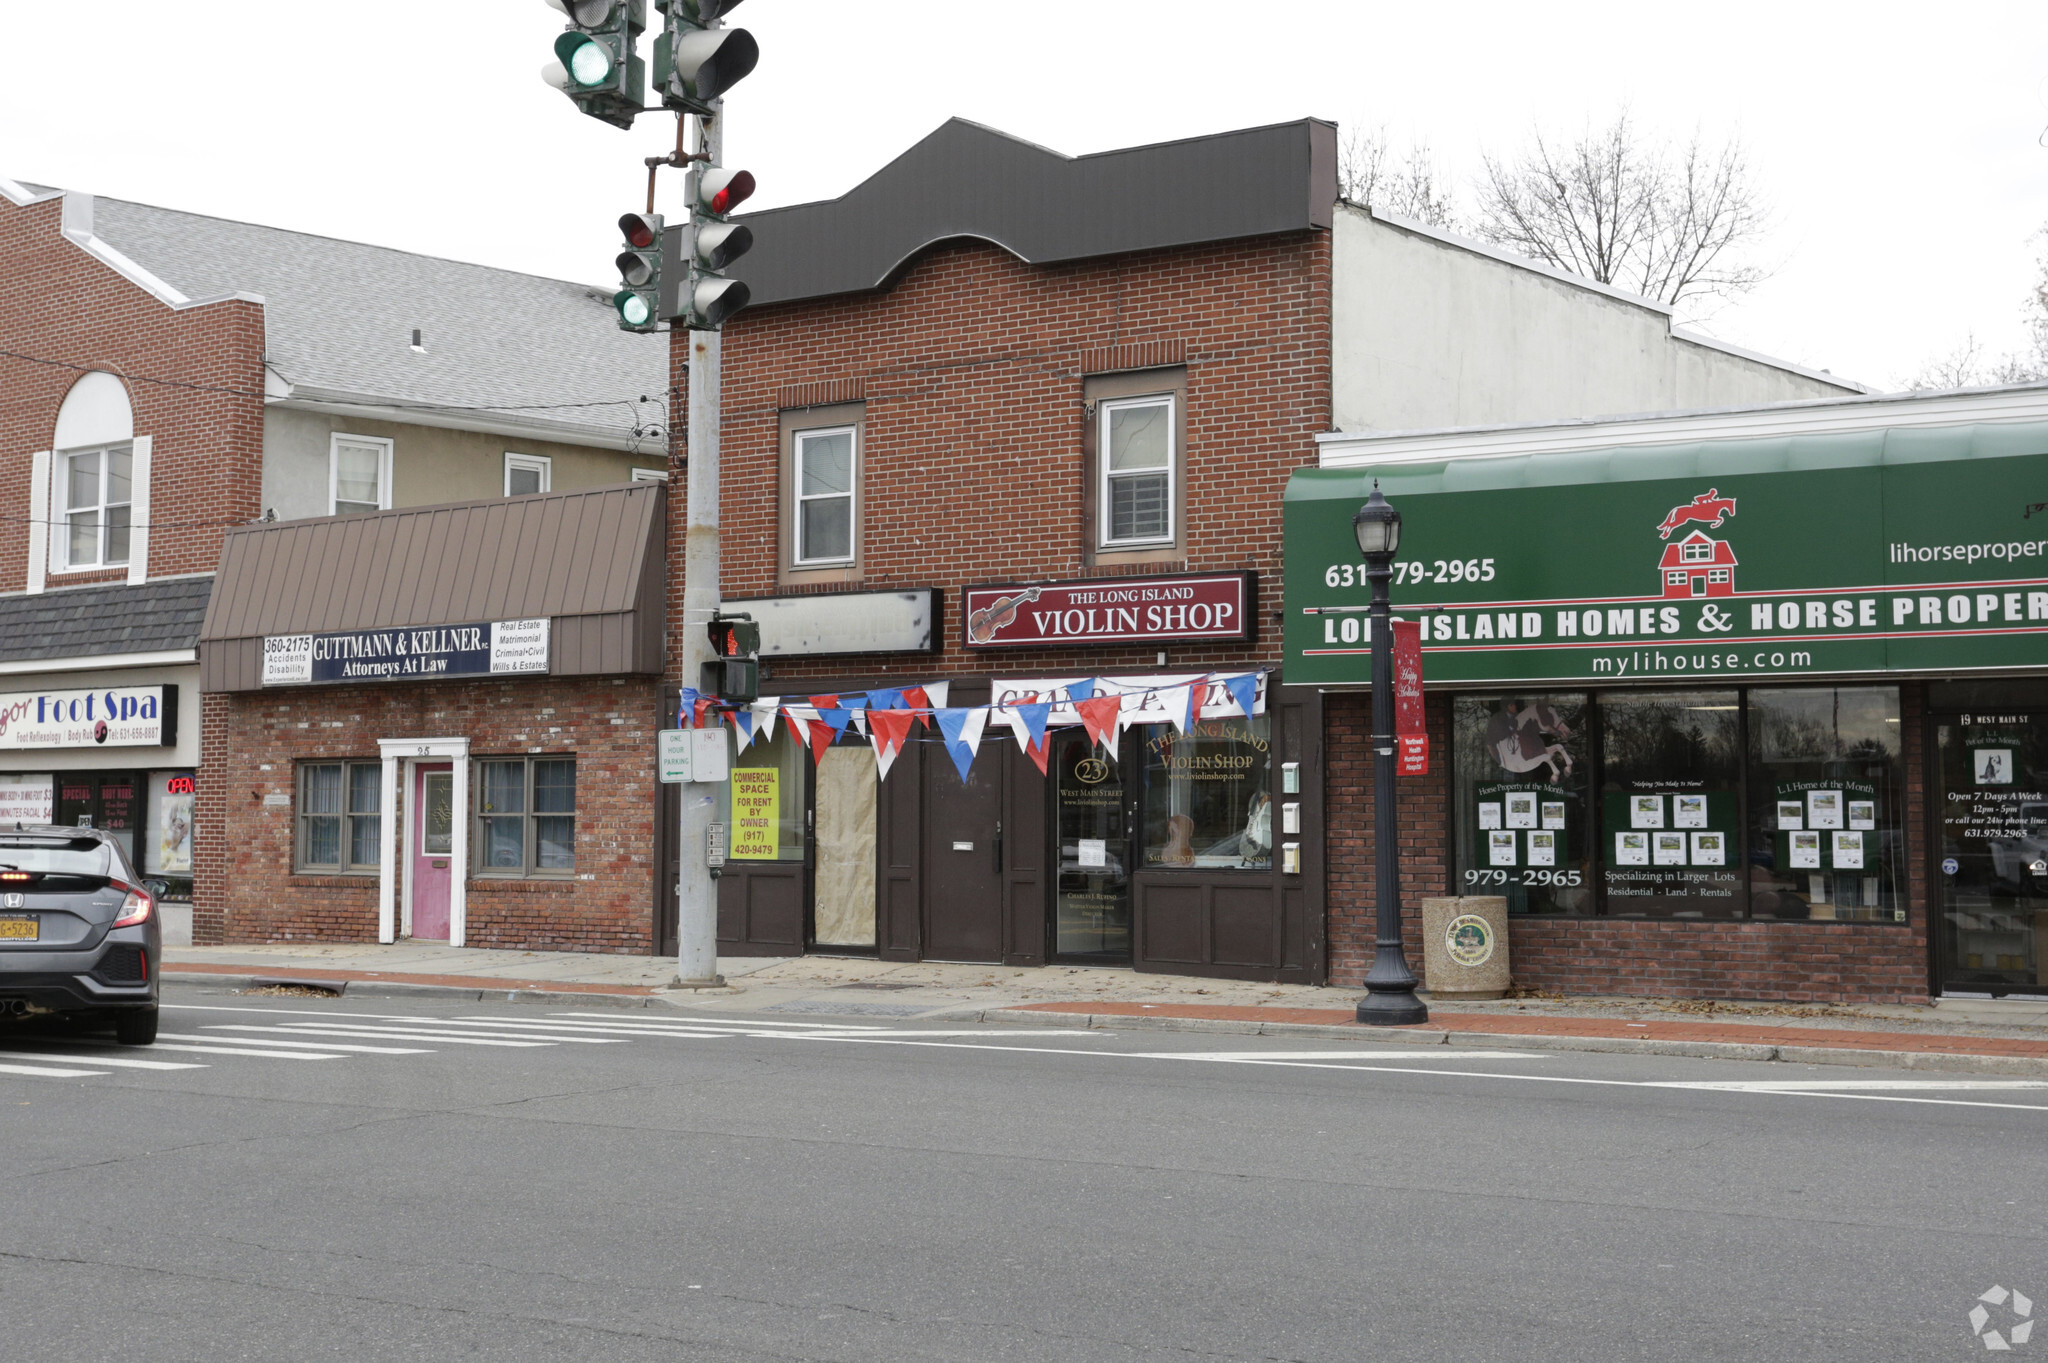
x=891, y=729
x=938, y=693
x=920, y=701
x=962, y=731
x=764, y=717
x=1245, y=691
x=1081, y=690
x=743, y=726
x=1034, y=717
x=798, y=729
x=1040, y=752
x=1177, y=701
x=1099, y=716
x=886, y=698
x=822, y=734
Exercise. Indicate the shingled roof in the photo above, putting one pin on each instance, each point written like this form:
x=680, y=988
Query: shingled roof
x=93, y=622
x=339, y=318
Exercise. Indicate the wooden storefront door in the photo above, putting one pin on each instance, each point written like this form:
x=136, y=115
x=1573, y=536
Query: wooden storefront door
x=963, y=856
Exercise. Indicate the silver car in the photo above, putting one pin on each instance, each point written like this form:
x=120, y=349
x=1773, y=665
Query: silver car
x=78, y=932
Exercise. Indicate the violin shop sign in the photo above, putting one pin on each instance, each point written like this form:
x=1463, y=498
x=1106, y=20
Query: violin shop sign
x=1109, y=610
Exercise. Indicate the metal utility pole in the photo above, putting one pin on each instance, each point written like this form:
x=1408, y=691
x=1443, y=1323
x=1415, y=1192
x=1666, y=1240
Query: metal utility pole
x=697, y=890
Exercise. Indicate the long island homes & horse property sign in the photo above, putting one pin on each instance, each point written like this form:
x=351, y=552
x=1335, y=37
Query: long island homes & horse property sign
x=1860, y=552
x=414, y=653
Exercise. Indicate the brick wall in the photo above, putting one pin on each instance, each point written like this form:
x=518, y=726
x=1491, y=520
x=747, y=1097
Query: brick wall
x=1812, y=961
x=61, y=307
x=247, y=892
x=972, y=366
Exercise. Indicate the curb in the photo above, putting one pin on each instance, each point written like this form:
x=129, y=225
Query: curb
x=1946, y=1061
x=395, y=989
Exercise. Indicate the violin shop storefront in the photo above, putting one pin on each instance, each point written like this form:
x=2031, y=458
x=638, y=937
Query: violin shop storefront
x=438, y=723
x=1743, y=705
x=1163, y=820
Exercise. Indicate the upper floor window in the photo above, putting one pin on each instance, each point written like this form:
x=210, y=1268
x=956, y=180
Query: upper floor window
x=1136, y=494
x=650, y=475
x=1697, y=551
x=98, y=494
x=825, y=482
x=526, y=473
x=359, y=474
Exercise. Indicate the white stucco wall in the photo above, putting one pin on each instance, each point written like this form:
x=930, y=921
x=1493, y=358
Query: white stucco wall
x=1427, y=333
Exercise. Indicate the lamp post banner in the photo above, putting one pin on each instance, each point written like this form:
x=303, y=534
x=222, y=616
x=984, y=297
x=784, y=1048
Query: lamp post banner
x=1863, y=553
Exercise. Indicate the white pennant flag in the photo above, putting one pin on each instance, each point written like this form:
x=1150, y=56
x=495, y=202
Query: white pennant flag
x=972, y=726
x=764, y=717
x=1177, y=700
x=797, y=727
x=744, y=733
x=936, y=692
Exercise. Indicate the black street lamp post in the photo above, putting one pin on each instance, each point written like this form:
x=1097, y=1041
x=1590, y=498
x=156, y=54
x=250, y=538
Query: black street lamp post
x=1390, y=985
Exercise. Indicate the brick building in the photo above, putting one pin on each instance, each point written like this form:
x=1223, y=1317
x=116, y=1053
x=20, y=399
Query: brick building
x=999, y=420
x=168, y=377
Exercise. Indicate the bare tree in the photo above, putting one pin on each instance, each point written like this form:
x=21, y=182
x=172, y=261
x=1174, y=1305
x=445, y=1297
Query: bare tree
x=1674, y=226
x=1413, y=187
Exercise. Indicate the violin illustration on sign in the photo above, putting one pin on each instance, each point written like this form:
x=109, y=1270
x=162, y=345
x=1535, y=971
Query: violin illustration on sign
x=983, y=624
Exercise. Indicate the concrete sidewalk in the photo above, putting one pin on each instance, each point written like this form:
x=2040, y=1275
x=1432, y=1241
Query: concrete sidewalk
x=2006, y=1035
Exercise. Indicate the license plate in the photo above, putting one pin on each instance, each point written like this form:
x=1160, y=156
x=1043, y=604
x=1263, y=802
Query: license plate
x=20, y=929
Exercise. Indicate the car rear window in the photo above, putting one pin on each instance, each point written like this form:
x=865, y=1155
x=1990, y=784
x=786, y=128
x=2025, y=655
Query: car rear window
x=75, y=857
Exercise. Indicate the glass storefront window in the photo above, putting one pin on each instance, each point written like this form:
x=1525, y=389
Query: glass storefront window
x=1826, y=818
x=1992, y=803
x=1522, y=779
x=1207, y=795
x=766, y=812
x=1670, y=804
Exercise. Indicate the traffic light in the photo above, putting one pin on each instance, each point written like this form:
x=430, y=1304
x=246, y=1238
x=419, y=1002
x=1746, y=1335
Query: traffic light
x=597, y=60
x=640, y=272
x=708, y=297
x=735, y=673
x=695, y=62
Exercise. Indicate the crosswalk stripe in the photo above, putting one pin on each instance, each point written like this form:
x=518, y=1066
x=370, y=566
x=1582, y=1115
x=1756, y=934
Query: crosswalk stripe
x=118, y=1062
x=252, y=1049
x=162, y=1037
x=52, y=1074
x=583, y=1028
x=427, y=1029
x=694, y=1021
x=307, y=1029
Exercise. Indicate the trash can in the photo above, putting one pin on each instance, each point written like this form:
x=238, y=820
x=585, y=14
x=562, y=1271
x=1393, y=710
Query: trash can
x=1465, y=947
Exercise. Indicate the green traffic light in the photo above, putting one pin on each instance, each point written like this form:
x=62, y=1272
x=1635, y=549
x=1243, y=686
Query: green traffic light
x=588, y=63
x=633, y=308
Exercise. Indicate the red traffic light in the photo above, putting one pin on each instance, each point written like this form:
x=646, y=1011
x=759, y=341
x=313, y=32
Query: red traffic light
x=638, y=231
x=721, y=191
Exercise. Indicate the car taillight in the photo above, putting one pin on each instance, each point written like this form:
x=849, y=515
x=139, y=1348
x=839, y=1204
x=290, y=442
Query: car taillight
x=136, y=908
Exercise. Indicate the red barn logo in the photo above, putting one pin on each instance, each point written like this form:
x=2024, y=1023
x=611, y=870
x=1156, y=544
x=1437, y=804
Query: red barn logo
x=1698, y=564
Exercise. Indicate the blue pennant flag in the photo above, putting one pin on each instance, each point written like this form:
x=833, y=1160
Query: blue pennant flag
x=744, y=719
x=686, y=706
x=1244, y=690
x=1035, y=717
x=886, y=698
x=835, y=720
x=1081, y=690
x=952, y=726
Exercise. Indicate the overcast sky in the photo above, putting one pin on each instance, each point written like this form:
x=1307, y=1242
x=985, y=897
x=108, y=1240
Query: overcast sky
x=1904, y=146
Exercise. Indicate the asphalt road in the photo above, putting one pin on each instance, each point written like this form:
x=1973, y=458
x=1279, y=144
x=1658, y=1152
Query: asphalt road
x=526, y=1182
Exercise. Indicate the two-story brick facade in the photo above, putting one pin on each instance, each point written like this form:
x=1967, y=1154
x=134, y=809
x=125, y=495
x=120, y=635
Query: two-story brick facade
x=998, y=420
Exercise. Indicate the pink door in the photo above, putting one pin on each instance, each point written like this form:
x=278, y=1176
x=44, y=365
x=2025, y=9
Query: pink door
x=433, y=845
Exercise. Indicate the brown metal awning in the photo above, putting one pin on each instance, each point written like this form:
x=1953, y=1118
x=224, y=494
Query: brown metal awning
x=593, y=563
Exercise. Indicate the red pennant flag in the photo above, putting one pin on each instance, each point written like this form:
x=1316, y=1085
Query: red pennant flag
x=916, y=699
x=821, y=738
x=1098, y=717
x=1041, y=752
x=892, y=727
x=826, y=702
x=703, y=707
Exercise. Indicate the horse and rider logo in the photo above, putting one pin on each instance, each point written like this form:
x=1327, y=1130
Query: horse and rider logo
x=1698, y=564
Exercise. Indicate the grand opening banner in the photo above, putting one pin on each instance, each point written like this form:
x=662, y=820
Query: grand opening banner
x=1900, y=550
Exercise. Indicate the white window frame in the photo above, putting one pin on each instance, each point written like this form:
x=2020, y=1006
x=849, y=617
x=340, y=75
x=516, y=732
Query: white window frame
x=1696, y=551
x=538, y=463
x=851, y=495
x=383, y=445
x=60, y=479
x=650, y=475
x=1102, y=471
